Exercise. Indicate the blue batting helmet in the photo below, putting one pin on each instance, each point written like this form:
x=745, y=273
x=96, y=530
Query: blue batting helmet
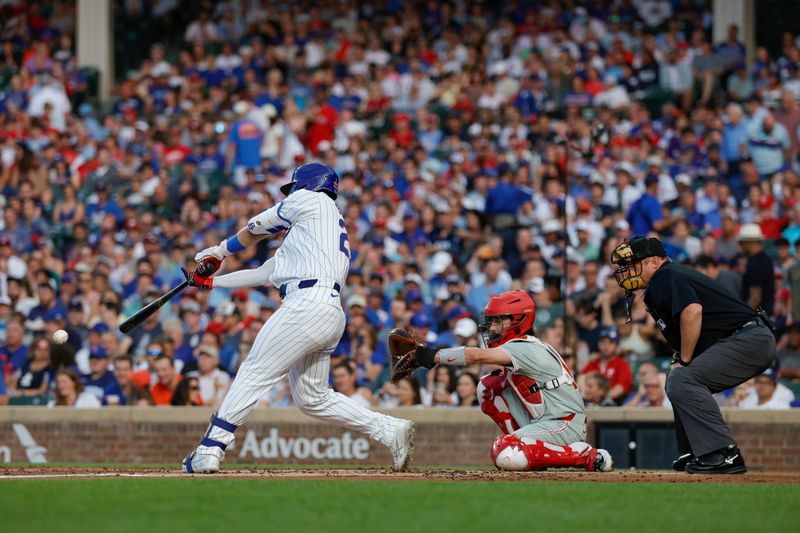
x=313, y=177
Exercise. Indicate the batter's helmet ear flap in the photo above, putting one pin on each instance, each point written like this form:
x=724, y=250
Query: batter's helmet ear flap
x=286, y=189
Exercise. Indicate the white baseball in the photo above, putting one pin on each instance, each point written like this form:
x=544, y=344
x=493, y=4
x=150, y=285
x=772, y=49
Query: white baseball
x=60, y=336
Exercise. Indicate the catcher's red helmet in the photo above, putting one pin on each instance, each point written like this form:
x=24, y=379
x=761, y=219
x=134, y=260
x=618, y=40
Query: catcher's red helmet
x=516, y=305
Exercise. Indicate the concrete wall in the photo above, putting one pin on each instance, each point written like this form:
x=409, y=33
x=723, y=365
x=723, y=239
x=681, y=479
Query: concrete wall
x=768, y=439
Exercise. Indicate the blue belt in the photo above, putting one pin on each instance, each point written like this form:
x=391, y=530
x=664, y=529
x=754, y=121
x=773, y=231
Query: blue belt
x=305, y=284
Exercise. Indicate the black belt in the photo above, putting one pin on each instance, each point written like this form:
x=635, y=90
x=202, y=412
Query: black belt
x=747, y=325
x=305, y=284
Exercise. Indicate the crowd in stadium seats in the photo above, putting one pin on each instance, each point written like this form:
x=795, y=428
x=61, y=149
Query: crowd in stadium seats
x=461, y=132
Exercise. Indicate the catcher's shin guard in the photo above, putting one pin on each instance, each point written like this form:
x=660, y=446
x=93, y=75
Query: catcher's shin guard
x=509, y=452
x=493, y=405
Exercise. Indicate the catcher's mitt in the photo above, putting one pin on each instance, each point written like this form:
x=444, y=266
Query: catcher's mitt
x=408, y=353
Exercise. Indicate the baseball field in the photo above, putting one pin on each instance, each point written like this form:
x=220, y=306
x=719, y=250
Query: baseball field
x=70, y=498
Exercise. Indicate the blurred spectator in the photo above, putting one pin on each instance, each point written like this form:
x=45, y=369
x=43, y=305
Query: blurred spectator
x=100, y=381
x=214, y=382
x=344, y=382
x=168, y=379
x=467, y=390
x=594, y=389
x=651, y=392
x=406, y=393
x=441, y=390
x=69, y=392
x=187, y=392
x=764, y=397
x=645, y=213
x=612, y=365
x=14, y=353
x=769, y=145
x=758, y=281
x=788, y=354
x=727, y=278
x=131, y=394
x=36, y=374
x=642, y=372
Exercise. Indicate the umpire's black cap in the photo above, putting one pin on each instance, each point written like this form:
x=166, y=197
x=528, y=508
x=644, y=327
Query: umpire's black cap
x=644, y=247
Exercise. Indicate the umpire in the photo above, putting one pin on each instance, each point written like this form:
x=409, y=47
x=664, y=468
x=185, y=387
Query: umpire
x=718, y=343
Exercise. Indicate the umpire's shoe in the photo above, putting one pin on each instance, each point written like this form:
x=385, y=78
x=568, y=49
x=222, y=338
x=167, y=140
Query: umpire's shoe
x=725, y=461
x=679, y=464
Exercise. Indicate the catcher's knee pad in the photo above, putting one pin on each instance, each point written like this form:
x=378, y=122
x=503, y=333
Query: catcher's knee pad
x=510, y=452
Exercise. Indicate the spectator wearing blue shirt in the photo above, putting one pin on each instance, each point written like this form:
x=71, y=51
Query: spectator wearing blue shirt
x=645, y=213
x=97, y=211
x=412, y=233
x=100, y=382
x=505, y=199
x=14, y=353
x=769, y=145
x=244, y=148
x=491, y=281
x=36, y=373
x=734, y=137
x=49, y=306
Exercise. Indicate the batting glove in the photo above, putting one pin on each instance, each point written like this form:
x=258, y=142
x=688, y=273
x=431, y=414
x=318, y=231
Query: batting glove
x=196, y=280
x=217, y=252
x=208, y=266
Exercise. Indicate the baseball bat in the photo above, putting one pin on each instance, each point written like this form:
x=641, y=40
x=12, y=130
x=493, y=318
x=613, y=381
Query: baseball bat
x=147, y=311
x=206, y=268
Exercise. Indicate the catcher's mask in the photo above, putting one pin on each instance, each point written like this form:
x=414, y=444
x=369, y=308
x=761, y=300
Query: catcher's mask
x=628, y=257
x=518, y=307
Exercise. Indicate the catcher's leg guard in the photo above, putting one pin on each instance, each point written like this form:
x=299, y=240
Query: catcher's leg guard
x=490, y=390
x=509, y=452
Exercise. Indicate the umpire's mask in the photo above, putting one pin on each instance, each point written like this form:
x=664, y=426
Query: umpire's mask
x=628, y=257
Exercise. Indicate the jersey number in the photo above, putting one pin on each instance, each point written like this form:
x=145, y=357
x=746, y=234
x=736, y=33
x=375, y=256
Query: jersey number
x=344, y=243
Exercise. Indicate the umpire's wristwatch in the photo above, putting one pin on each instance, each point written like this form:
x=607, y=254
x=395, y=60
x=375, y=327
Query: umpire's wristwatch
x=676, y=358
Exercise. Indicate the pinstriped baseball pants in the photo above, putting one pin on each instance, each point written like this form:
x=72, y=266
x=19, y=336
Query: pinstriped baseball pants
x=299, y=339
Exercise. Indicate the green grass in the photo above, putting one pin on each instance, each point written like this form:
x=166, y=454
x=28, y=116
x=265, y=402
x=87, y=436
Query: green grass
x=227, y=505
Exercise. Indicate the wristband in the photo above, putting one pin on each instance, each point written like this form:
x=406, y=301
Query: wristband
x=676, y=358
x=425, y=355
x=453, y=356
x=232, y=244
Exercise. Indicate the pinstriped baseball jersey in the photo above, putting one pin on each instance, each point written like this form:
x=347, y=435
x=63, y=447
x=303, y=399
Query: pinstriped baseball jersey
x=536, y=359
x=315, y=246
x=299, y=338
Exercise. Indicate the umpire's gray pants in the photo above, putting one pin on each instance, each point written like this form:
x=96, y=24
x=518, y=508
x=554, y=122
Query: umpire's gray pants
x=727, y=363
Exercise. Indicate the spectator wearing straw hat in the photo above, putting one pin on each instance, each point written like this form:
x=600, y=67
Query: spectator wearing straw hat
x=758, y=282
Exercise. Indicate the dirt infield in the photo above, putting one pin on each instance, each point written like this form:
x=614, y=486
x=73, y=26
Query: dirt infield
x=626, y=476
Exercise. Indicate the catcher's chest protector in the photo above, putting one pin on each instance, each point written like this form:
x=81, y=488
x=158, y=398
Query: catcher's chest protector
x=530, y=392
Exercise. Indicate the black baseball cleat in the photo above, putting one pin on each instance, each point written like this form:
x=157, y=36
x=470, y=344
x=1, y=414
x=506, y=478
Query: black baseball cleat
x=725, y=461
x=679, y=464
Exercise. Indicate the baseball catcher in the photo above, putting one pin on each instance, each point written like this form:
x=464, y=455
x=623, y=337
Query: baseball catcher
x=533, y=398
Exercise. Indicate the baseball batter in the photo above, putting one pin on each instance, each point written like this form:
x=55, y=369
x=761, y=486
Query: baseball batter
x=533, y=398
x=309, y=268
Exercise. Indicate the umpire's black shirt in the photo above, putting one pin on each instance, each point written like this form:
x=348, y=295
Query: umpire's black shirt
x=673, y=287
